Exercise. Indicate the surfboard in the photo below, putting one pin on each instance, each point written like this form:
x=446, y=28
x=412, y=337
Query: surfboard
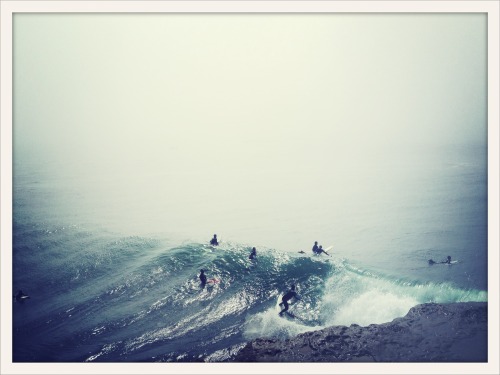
x=328, y=248
x=432, y=262
x=295, y=317
x=290, y=315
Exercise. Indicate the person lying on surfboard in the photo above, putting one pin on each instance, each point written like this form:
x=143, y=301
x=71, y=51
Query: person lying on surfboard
x=288, y=296
x=447, y=261
x=20, y=296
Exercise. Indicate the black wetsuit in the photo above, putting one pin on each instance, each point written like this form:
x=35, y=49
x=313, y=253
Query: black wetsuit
x=315, y=249
x=214, y=242
x=203, y=279
x=253, y=254
x=288, y=296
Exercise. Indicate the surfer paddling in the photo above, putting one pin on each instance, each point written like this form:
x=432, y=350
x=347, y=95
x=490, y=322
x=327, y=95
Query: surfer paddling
x=20, y=296
x=447, y=261
x=287, y=297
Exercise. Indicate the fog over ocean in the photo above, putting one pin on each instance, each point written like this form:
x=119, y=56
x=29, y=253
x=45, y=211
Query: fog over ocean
x=137, y=137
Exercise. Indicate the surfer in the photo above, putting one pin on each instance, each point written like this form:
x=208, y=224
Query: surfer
x=20, y=296
x=214, y=241
x=315, y=247
x=288, y=296
x=447, y=261
x=253, y=254
x=320, y=250
x=203, y=278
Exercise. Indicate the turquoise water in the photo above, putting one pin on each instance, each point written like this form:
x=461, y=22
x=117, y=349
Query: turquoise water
x=111, y=259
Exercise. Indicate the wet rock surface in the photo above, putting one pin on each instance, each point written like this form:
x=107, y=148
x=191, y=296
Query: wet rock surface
x=456, y=332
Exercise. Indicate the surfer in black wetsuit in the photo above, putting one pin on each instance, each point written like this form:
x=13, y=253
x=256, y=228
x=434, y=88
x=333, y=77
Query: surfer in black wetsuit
x=447, y=261
x=214, y=241
x=253, y=254
x=203, y=278
x=288, y=296
x=315, y=247
x=20, y=296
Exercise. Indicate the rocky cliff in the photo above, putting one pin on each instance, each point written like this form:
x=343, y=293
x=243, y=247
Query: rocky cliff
x=432, y=332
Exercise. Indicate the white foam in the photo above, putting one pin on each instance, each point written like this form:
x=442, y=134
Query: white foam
x=372, y=307
x=270, y=324
x=363, y=298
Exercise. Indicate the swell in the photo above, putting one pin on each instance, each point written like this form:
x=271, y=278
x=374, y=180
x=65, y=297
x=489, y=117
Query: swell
x=111, y=298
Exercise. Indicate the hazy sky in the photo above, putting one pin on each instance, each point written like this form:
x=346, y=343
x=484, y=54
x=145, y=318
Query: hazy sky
x=146, y=84
x=238, y=98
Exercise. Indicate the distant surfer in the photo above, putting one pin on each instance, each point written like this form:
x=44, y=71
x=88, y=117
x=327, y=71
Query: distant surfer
x=253, y=254
x=288, y=296
x=20, y=296
x=447, y=261
x=203, y=278
x=214, y=241
x=315, y=248
x=320, y=250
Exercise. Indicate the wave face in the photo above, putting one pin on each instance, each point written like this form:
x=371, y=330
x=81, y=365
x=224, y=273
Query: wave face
x=99, y=297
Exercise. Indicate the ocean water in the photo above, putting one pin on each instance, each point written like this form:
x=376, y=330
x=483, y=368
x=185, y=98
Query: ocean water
x=110, y=256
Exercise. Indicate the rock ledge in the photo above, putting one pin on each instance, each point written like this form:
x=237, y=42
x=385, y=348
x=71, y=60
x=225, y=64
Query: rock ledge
x=456, y=332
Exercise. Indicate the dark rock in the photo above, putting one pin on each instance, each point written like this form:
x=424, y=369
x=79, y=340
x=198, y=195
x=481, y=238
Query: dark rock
x=456, y=332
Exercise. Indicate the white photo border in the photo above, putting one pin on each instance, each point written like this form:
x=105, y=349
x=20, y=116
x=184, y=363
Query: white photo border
x=9, y=8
